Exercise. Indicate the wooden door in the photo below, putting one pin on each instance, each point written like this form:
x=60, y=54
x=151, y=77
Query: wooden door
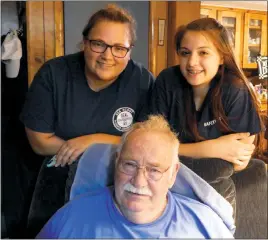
x=179, y=13
x=158, y=23
x=45, y=33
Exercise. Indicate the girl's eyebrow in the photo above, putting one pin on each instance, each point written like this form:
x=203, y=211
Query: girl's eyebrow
x=203, y=47
x=206, y=47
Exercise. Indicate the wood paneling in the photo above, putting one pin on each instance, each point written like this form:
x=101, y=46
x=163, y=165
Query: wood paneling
x=157, y=53
x=35, y=37
x=49, y=29
x=179, y=13
x=45, y=36
x=59, y=28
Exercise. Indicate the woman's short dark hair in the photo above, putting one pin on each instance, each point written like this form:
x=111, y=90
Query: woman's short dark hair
x=112, y=13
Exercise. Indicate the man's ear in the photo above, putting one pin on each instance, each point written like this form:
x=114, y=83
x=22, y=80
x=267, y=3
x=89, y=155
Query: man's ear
x=116, y=157
x=129, y=54
x=174, y=174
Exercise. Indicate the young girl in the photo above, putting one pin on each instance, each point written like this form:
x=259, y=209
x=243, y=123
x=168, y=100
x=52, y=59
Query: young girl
x=208, y=101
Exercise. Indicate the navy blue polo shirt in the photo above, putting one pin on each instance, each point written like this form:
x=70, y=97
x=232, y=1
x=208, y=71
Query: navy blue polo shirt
x=167, y=99
x=60, y=101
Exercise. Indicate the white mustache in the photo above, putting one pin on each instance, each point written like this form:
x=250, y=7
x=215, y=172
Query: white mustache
x=141, y=191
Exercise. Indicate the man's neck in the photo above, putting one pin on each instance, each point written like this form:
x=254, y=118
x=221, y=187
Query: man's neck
x=145, y=217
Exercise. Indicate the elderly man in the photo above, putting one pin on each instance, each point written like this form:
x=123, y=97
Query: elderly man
x=139, y=205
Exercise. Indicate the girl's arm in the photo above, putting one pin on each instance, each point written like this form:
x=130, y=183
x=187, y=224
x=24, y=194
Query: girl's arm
x=235, y=148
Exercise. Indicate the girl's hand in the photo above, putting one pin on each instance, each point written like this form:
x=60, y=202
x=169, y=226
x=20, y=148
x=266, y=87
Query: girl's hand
x=235, y=148
x=248, y=140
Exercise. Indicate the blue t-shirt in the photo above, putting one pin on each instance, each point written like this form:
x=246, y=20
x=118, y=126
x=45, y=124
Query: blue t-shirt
x=94, y=215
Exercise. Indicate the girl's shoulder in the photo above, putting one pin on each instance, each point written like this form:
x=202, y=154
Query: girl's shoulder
x=232, y=83
x=234, y=91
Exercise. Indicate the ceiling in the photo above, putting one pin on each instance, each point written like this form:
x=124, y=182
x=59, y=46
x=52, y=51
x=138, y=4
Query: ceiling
x=253, y=5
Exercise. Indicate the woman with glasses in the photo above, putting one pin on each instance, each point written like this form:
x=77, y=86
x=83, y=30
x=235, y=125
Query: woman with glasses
x=89, y=97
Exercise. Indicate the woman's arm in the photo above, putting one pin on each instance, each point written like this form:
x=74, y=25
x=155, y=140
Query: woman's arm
x=44, y=143
x=234, y=148
x=67, y=151
x=73, y=148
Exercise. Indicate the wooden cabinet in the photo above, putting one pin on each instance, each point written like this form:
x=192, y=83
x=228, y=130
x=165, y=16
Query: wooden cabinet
x=208, y=12
x=247, y=28
x=255, y=39
x=232, y=21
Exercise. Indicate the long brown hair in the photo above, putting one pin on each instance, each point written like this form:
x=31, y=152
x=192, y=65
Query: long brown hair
x=220, y=37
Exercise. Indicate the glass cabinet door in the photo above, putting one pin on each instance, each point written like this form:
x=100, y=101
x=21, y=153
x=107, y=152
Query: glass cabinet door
x=206, y=12
x=255, y=39
x=232, y=22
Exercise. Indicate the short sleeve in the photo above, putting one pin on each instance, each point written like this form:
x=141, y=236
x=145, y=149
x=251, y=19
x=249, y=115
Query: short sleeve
x=240, y=111
x=38, y=112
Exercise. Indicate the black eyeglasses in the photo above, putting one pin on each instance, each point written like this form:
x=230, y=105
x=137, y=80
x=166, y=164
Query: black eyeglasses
x=100, y=47
x=131, y=168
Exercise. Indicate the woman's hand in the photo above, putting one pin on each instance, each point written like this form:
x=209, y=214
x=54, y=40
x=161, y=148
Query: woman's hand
x=236, y=148
x=72, y=149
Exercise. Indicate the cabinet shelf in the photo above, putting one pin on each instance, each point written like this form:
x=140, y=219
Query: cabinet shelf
x=229, y=25
x=255, y=27
x=254, y=45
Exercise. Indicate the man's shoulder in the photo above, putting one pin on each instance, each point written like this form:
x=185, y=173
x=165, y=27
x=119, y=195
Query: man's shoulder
x=88, y=210
x=195, y=206
x=93, y=196
x=200, y=214
x=89, y=201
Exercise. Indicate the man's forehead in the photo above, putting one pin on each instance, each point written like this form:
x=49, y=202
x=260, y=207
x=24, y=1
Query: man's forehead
x=148, y=144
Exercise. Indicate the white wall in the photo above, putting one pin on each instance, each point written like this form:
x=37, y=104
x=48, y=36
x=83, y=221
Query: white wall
x=9, y=17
